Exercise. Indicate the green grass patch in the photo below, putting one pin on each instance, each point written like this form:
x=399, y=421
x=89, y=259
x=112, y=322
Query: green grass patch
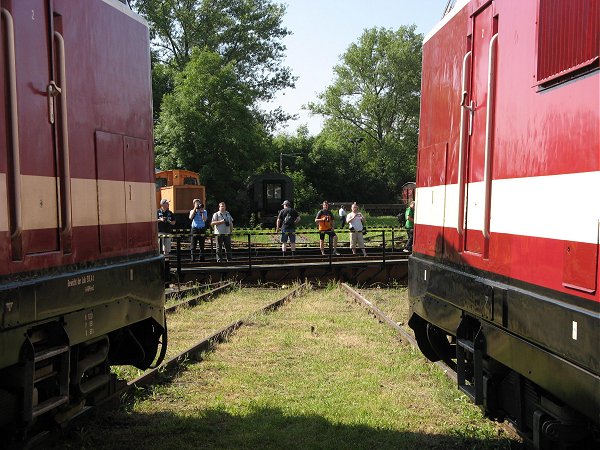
x=189, y=325
x=318, y=374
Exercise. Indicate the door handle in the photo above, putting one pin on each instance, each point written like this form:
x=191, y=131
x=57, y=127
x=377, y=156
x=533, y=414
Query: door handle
x=52, y=90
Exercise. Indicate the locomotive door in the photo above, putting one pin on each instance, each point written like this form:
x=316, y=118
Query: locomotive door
x=484, y=28
x=33, y=191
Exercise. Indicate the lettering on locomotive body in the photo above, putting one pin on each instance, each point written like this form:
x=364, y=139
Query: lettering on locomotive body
x=88, y=319
x=78, y=281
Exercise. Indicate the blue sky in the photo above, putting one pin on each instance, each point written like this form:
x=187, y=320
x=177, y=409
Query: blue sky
x=323, y=30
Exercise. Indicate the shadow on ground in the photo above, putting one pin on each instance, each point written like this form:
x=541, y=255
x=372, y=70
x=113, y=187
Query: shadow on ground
x=265, y=428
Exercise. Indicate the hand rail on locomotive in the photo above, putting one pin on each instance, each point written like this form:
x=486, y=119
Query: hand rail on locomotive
x=14, y=120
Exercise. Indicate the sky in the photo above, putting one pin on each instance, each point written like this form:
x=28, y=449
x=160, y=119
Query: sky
x=324, y=29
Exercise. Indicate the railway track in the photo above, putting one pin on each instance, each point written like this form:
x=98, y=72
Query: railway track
x=192, y=353
x=383, y=317
x=194, y=299
x=196, y=351
x=409, y=339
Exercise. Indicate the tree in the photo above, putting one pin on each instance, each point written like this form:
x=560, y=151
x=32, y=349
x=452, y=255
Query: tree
x=375, y=96
x=207, y=125
x=300, y=145
x=245, y=33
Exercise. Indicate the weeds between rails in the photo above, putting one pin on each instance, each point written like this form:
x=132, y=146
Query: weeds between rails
x=319, y=374
x=168, y=369
x=407, y=336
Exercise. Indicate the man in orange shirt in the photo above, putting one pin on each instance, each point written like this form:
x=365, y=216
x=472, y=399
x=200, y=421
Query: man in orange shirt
x=326, y=223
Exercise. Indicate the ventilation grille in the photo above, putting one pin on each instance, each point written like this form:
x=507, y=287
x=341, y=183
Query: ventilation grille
x=567, y=37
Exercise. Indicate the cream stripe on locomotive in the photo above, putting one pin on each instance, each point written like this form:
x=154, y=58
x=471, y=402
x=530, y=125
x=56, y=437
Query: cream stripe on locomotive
x=563, y=207
x=3, y=205
x=120, y=202
x=84, y=197
x=39, y=205
x=129, y=202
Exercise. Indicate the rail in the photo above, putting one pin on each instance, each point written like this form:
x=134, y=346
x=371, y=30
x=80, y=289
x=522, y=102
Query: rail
x=195, y=352
x=410, y=340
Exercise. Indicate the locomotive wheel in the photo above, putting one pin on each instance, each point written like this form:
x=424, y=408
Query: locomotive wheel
x=433, y=342
x=441, y=345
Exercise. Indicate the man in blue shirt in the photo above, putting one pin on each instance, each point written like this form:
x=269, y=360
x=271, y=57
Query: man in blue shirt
x=198, y=217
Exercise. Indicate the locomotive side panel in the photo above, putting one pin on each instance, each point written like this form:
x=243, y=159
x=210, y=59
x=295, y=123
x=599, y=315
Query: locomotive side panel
x=53, y=196
x=533, y=133
x=506, y=238
x=80, y=275
x=114, y=98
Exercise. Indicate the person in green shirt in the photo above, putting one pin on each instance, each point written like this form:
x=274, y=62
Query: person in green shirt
x=410, y=226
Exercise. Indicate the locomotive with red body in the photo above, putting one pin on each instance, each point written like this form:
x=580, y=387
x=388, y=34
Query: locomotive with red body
x=504, y=275
x=81, y=280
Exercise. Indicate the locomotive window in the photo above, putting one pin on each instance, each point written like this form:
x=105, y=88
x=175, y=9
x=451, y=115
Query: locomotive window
x=190, y=181
x=567, y=39
x=273, y=191
x=161, y=182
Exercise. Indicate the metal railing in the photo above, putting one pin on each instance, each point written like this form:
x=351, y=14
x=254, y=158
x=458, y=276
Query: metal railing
x=249, y=248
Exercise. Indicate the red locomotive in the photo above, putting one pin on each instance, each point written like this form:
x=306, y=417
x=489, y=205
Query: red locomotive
x=81, y=278
x=504, y=275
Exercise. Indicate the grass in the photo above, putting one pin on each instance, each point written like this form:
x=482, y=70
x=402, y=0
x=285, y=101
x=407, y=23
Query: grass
x=190, y=325
x=317, y=374
x=393, y=301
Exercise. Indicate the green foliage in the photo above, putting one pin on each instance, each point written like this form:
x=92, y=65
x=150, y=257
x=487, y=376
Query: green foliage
x=163, y=81
x=245, y=33
x=372, y=116
x=296, y=153
x=207, y=125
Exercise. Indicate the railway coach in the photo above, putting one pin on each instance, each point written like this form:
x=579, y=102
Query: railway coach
x=81, y=279
x=503, y=280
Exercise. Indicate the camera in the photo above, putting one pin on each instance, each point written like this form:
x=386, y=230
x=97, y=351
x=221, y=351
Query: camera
x=226, y=222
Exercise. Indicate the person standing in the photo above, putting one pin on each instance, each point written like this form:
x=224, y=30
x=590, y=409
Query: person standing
x=166, y=220
x=342, y=214
x=326, y=223
x=287, y=219
x=199, y=217
x=410, y=226
x=356, y=225
x=222, y=223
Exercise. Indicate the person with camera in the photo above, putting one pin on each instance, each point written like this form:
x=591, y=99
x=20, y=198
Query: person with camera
x=222, y=223
x=356, y=225
x=287, y=219
x=326, y=223
x=199, y=217
x=166, y=220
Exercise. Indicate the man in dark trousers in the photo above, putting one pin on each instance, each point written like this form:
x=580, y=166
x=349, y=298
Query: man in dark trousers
x=287, y=219
x=199, y=217
x=326, y=223
x=166, y=220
